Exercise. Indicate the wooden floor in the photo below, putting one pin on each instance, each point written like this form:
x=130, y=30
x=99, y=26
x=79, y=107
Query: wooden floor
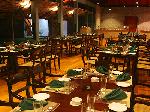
x=66, y=63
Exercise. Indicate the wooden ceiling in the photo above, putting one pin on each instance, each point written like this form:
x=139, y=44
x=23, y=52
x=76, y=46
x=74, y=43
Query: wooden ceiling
x=9, y=6
x=122, y=3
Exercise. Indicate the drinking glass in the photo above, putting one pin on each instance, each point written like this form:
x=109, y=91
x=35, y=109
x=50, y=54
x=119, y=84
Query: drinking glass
x=38, y=106
x=103, y=82
x=90, y=103
x=84, y=107
x=111, y=67
x=67, y=84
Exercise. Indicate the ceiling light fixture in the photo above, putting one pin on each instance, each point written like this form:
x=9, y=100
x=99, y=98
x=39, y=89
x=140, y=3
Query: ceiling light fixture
x=71, y=12
x=25, y=3
x=137, y=2
x=109, y=9
x=137, y=6
x=54, y=8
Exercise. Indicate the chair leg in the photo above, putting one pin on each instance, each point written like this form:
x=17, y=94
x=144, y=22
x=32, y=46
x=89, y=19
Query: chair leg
x=10, y=92
x=59, y=62
x=33, y=83
x=44, y=73
x=55, y=64
x=50, y=66
x=28, y=87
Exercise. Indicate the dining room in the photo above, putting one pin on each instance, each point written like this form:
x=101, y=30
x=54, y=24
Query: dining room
x=75, y=56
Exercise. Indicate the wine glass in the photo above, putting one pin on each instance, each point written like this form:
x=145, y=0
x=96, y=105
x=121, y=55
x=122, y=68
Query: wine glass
x=111, y=67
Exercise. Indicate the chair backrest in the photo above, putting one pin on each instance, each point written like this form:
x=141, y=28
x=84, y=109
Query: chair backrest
x=121, y=62
x=104, y=59
x=37, y=57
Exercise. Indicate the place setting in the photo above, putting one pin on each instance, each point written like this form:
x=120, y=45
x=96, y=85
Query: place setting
x=124, y=80
x=38, y=103
x=114, y=97
x=76, y=73
x=62, y=85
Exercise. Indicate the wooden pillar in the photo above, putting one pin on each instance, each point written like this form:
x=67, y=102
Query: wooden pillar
x=87, y=19
x=98, y=17
x=12, y=22
x=76, y=16
x=60, y=17
x=35, y=19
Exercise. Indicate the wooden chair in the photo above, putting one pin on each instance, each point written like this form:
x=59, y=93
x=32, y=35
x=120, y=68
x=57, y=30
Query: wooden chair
x=73, y=46
x=103, y=59
x=35, y=68
x=3, y=66
x=48, y=58
x=121, y=62
x=55, y=52
x=14, y=78
x=141, y=81
x=86, y=56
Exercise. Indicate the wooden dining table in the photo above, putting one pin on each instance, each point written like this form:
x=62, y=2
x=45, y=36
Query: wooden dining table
x=81, y=91
x=84, y=87
x=12, y=55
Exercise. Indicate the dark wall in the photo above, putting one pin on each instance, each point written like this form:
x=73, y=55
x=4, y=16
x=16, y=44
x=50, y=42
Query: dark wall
x=18, y=26
x=11, y=26
x=71, y=26
x=5, y=27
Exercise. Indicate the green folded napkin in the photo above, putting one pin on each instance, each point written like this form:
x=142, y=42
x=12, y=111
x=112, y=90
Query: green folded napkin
x=56, y=84
x=123, y=77
x=72, y=72
x=102, y=69
x=27, y=104
x=116, y=94
x=17, y=49
x=132, y=49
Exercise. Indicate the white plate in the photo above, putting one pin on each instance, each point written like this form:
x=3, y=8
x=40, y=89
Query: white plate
x=64, y=79
x=41, y=96
x=117, y=72
x=132, y=53
x=76, y=99
x=108, y=52
x=118, y=107
x=79, y=70
x=123, y=84
x=73, y=104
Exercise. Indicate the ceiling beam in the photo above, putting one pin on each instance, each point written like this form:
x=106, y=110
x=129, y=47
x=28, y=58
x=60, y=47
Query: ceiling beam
x=91, y=4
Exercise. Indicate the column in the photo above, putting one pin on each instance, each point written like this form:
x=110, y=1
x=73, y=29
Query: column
x=60, y=17
x=35, y=19
x=76, y=16
x=98, y=16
